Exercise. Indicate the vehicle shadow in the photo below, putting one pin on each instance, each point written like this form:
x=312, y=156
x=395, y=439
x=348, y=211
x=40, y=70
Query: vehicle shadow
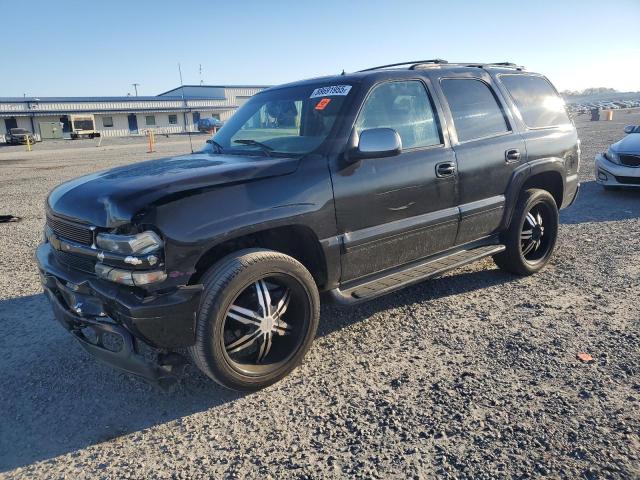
x=595, y=204
x=57, y=399
x=334, y=318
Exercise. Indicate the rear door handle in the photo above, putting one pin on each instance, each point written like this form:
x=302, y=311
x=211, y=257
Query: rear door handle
x=445, y=169
x=512, y=155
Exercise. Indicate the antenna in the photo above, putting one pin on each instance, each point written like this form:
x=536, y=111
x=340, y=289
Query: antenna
x=200, y=70
x=135, y=86
x=184, y=114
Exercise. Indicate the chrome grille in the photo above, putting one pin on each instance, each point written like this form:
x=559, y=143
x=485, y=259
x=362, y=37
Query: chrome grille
x=630, y=160
x=71, y=231
x=77, y=262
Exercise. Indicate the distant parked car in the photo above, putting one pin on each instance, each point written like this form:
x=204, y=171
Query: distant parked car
x=209, y=124
x=16, y=136
x=619, y=166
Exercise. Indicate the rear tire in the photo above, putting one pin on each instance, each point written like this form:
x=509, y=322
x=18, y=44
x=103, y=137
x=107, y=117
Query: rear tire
x=532, y=234
x=257, y=318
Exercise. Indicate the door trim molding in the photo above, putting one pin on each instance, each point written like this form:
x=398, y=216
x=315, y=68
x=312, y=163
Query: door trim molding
x=366, y=237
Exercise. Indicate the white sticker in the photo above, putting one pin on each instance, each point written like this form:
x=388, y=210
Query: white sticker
x=335, y=90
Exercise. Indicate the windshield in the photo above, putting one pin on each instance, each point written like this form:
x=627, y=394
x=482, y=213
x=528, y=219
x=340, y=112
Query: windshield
x=289, y=121
x=18, y=131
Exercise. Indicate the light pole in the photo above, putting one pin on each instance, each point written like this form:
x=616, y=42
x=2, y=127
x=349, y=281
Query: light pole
x=135, y=86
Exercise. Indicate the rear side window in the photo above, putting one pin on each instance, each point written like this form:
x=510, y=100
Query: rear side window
x=475, y=109
x=405, y=107
x=538, y=102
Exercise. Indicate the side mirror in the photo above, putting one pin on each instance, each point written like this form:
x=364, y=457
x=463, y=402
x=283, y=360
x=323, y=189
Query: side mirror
x=632, y=129
x=377, y=143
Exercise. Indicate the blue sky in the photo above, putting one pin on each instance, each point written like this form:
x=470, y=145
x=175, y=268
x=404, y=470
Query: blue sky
x=99, y=48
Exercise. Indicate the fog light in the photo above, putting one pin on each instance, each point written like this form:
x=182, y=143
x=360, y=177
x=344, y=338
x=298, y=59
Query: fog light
x=602, y=175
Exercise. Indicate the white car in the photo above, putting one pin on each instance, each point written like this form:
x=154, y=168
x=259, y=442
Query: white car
x=619, y=166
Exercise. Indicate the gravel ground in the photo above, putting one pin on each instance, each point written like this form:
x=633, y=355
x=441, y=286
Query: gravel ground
x=472, y=375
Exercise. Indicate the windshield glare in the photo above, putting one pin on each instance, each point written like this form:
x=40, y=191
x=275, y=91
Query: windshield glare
x=285, y=121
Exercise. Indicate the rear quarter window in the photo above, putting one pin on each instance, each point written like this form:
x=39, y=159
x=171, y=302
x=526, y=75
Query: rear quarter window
x=538, y=102
x=475, y=109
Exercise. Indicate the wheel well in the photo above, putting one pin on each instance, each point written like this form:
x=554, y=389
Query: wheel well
x=549, y=181
x=296, y=241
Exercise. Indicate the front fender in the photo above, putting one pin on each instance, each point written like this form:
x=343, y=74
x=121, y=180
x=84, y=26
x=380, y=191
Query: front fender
x=195, y=224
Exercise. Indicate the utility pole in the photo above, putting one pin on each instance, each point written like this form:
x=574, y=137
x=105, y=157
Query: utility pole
x=135, y=86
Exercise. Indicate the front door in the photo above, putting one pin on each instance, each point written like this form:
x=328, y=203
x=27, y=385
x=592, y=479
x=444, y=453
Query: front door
x=488, y=149
x=133, y=123
x=391, y=211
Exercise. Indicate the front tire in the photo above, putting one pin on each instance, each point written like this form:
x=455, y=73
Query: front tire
x=258, y=316
x=532, y=234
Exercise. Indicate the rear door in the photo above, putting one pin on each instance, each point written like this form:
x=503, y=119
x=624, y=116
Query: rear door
x=393, y=210
x=487, y=147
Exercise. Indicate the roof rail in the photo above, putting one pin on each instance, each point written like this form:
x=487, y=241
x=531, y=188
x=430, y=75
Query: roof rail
x=413, y=64
x=497, y=64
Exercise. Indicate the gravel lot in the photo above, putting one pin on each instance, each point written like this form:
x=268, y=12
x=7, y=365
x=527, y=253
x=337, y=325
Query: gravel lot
x=472, y=375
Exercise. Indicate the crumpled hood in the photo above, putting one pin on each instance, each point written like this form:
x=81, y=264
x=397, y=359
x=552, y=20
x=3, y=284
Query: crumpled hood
x=629, y=144
x=112, y=198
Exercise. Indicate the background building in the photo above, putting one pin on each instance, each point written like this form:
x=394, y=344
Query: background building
x=175, y=111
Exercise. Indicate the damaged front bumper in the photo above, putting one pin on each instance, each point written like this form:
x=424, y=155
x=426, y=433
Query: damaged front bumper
x=110, y=320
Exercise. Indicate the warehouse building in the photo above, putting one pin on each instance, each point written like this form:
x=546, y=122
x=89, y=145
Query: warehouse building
x=175, y=111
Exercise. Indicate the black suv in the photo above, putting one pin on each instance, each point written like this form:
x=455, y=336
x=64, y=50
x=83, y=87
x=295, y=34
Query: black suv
x=356, y=185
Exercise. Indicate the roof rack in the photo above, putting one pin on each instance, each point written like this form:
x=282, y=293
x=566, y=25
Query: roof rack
x=413, y=64
x=497, y=64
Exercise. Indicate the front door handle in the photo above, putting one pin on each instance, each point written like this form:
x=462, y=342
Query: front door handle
x=512, y=155
x=445, y=169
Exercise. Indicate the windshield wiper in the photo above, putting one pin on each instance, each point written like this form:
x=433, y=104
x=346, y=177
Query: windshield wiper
x=219, y=148
x=263, y=146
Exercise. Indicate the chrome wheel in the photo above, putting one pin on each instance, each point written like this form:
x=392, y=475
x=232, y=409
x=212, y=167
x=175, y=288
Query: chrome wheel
x=534, y=243
x=265, y=325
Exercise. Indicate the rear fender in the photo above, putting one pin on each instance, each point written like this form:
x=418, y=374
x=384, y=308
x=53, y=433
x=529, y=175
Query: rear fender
x=520, y=176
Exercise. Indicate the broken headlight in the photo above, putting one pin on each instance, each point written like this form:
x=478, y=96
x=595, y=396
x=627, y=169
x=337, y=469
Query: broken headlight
x=141, y=243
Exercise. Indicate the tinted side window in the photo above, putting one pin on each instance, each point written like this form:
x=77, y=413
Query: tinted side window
x=536, y=99
x=405, y=107
x=476, y=112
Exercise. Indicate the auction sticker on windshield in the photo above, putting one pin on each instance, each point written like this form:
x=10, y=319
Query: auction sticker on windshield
x=335, y=90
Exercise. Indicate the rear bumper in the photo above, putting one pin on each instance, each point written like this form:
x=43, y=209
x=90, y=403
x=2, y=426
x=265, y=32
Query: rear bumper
x=612, y=175
x=93, y=310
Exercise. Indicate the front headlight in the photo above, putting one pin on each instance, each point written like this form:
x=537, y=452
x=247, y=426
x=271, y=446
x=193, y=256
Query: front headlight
x=141, y=243
x=612, y=156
